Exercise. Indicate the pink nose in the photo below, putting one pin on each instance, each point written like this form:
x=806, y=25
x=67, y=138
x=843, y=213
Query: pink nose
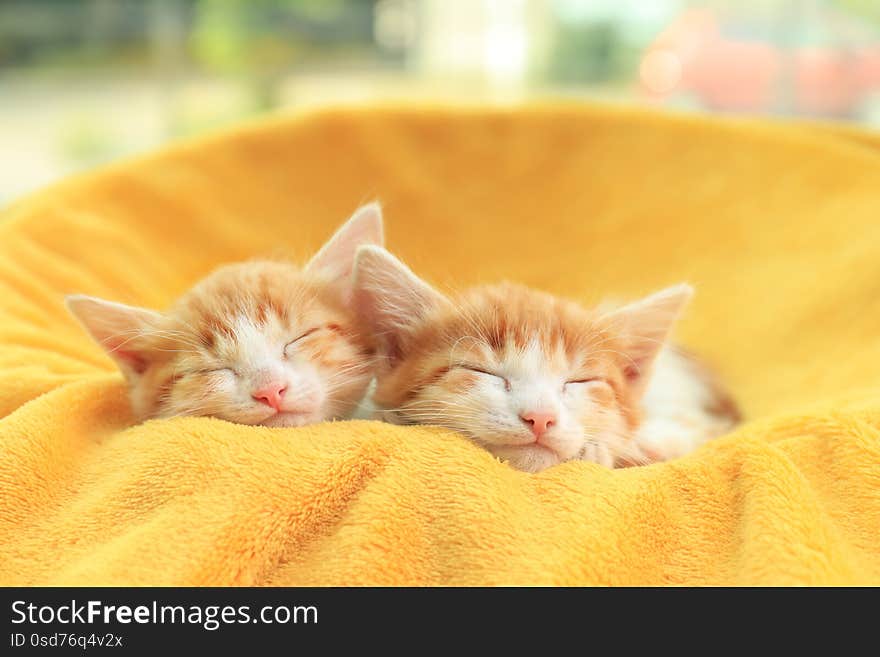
x=270, y=394
x=539, y=422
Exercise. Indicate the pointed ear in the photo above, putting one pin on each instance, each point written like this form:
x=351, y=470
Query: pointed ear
x=645, y=326
x=390, y=298
x=336, y=257
x=118, y=328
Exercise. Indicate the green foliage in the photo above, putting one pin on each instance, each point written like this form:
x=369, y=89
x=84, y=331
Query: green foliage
x=868, y=10
x=591, y=53
x=244, y=35
x=85, y=141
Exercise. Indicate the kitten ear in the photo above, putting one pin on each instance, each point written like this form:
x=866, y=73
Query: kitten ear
x=645, y=326
x=390, y=298
x=118, y=328
x=336, y=257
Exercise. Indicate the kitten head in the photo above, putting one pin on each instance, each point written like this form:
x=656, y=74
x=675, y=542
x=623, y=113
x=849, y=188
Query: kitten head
x=535, y=379
x=255, y=343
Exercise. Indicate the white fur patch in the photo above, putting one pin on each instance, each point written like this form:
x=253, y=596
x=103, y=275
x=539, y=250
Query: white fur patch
x=676, y=421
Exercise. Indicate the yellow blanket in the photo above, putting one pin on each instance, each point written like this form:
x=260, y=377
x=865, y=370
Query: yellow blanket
x=778, y=226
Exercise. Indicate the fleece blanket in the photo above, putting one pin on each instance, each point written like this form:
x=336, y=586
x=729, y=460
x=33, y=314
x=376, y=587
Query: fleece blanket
x=777, y=226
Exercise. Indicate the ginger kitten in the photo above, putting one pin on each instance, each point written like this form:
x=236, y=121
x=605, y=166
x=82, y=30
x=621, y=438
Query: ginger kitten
x=259, y=342
x=535, y=379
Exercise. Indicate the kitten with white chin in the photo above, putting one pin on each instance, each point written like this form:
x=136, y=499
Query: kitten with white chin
x=261, y=342
x=535, y=379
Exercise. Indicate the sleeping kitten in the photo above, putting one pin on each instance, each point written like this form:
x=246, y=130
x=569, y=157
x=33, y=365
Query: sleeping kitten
x=258, y=342
x=535, y=379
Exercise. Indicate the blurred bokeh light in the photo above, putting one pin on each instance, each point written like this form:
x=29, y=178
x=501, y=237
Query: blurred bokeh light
x=83, y=82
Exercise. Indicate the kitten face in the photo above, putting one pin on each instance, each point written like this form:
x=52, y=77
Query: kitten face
x=535, y=379
x=254, y=343
x=257, y=343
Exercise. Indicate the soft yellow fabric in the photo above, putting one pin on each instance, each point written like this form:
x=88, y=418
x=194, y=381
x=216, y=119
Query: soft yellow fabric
x=778, y=226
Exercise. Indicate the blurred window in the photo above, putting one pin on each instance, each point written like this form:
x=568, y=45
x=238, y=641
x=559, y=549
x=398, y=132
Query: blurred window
x=86, y=81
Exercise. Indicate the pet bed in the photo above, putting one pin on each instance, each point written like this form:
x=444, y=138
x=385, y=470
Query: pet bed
x=777, y=226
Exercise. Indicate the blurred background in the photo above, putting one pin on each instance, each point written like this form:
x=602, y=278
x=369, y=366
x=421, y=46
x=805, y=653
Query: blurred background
x=83, y=82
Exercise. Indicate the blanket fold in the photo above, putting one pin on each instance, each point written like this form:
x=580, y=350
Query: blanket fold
x=775, y=225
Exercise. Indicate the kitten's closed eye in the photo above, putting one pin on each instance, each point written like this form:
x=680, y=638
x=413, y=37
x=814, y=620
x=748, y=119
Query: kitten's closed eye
x=590, y=379
x=480, y=370
x=217, y=370
x=302, y=337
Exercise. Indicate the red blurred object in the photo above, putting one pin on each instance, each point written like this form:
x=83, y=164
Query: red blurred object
x=750, y=74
